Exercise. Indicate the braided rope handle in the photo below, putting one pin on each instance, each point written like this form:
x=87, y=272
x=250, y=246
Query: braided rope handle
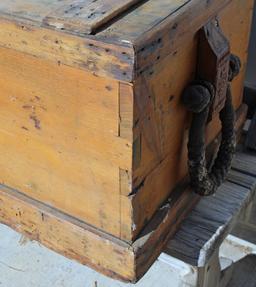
x=197, y=98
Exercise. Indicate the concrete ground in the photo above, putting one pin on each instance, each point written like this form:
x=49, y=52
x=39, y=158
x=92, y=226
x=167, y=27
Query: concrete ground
x=25, y=263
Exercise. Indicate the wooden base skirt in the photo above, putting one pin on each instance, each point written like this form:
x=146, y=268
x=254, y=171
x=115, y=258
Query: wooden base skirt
x=76, y=240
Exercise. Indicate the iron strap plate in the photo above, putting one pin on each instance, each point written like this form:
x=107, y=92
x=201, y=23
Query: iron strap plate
x=213, y=62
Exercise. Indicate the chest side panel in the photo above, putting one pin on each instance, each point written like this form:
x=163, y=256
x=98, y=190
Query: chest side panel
x=60, y=136
x=161, y=121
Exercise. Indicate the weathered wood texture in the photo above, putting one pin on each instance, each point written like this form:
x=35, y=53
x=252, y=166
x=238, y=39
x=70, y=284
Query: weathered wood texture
x=69, y=15
x=112, y=52
x=160, y=120
x=66, y=235
x=121, y=148
x=96, y=57
x=92, y=126
x=84, y=17
x=195, y=241
x=157, y=31
x=213, y=218
x=60, y=136
x=77, y=240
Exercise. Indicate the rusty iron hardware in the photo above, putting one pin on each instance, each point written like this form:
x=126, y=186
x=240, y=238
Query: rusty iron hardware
x=213, y=63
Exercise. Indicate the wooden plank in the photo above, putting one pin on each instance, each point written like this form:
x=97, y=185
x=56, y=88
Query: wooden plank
x=170, y=32
x=82, y=16
x=245, y=164
x=204, y=229
x=34, y=10
x=142, y=20
x=238, y=33
x=147, y=34
x=158, y=30
x=87, y=16
x=66, y=235
x=242, y=179
x=56, y=149
x=97, y=57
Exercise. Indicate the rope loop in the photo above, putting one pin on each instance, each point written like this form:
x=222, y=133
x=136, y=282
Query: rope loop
x=198, y=97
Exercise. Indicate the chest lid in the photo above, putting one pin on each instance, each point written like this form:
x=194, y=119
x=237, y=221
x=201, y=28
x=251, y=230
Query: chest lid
x=83, y=16
x=120, y=39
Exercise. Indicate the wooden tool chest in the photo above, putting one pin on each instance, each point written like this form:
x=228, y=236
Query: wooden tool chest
x=93, y=130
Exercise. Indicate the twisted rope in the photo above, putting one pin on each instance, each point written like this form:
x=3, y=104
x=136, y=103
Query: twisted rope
x=198, y=98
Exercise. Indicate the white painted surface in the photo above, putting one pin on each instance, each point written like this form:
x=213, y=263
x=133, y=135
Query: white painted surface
x=236, y=249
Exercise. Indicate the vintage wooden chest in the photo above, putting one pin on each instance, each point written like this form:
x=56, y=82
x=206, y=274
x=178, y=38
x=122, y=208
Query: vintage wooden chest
x=93, y=129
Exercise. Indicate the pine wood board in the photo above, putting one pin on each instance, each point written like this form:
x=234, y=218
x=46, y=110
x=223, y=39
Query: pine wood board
x=75, y=16
x=112, y=52
x=157, y=31
x=99, y=58
x=55, y=149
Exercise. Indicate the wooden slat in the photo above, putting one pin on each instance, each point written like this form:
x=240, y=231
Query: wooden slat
x=66, y=235
x=204, y=229
x=83, y=16
x=126, y=106
x=87, y=16
x=245, y=164
x=97, y=57
x=34, y=10
x=142, y=20
x=159, y=29
x=242, y=179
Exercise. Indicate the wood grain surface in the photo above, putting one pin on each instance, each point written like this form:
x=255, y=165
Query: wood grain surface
x=60, y=136
x=76, y=16
x=161, y=122
x=92, y=126
x=214, y=217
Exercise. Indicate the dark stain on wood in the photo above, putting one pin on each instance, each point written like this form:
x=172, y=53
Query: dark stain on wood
x=36, y=121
